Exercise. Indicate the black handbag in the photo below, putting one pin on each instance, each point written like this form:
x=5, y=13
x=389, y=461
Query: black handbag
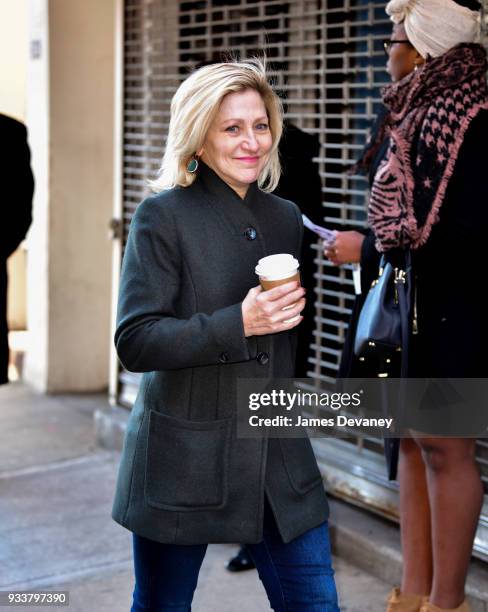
x=384, y=327
x=384, y=321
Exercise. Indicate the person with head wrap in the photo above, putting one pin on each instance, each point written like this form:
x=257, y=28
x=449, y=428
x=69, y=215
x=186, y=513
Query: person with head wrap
x=429, y=194
x=434, y=27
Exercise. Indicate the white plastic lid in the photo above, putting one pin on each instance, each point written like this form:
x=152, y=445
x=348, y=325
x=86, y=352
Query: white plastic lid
x=276, y=267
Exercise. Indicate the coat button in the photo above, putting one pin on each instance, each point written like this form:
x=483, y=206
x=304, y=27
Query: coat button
x=224, y=357
x=262, y=358
x=250, y=233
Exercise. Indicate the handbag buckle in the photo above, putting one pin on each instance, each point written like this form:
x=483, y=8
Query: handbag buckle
x=400, y=277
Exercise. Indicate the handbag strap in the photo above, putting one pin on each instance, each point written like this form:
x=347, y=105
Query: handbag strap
x=404, y=322
x=401, y=278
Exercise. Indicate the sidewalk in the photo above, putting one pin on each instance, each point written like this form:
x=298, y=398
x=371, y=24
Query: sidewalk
x=56, y=490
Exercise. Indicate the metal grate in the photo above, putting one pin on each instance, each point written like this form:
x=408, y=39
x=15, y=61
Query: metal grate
x=328, y=64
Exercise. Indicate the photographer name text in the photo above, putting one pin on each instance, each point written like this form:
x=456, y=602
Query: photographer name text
x=301, y=421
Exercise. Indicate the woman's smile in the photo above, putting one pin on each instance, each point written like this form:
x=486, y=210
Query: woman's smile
x=248, y=159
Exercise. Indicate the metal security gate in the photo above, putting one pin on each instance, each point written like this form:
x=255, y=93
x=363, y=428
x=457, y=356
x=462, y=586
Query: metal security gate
x=328, y=64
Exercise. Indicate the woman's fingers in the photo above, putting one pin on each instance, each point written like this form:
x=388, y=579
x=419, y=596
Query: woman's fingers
x=278, y=292
x=278, y=327
x=289, y=324
x=330, y=249
x=272, y=306
x=332, y=255
x=289, y=313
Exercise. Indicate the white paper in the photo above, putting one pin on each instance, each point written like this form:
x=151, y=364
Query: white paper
x=323, y=232
x=356, y=277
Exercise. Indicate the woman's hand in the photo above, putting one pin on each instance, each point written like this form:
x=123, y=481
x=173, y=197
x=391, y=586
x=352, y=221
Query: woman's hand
x=345, y=249
x=262, y=311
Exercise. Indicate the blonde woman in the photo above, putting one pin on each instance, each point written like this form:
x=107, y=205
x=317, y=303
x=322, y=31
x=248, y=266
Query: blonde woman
x=191, y=318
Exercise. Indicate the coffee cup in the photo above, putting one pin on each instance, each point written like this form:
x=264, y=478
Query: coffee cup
x=276, y=270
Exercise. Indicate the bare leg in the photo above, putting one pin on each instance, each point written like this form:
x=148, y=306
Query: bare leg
x=415, y=521
x=456, y=497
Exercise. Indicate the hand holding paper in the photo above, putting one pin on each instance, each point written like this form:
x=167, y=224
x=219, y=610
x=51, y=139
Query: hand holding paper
x=329, y=236
x=323, y=232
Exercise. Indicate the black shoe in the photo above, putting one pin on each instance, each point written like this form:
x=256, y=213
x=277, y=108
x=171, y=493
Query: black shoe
x=241, y=562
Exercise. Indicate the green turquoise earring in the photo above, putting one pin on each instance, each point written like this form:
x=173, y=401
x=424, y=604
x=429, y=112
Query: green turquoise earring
x=192, y=165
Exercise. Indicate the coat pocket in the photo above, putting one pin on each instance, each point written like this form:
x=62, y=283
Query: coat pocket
x=300, y=464
x=187, y=463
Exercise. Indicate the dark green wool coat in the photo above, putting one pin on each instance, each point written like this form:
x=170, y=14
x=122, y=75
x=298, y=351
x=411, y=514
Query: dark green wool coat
x=184, y=476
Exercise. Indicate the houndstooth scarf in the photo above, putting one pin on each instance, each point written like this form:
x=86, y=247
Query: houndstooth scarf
x=430, y=111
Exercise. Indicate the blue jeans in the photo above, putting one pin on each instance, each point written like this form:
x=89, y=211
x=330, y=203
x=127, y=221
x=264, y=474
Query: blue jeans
x=298, y=576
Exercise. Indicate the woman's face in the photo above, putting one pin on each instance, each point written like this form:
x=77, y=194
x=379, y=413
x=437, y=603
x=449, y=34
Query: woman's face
x=402, y=57
x=238, y=142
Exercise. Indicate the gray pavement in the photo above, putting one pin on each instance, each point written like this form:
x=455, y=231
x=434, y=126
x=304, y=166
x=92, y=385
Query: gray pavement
x=56, y=490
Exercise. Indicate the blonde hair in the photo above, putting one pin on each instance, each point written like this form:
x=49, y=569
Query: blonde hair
x=194, y=107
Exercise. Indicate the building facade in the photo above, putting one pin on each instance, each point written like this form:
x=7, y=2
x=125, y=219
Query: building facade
x=90, y=62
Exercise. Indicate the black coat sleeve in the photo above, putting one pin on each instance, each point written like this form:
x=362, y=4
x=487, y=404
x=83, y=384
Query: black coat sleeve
x=149, y=335
x=17, y=174
x=456, y=246
x=299, y=220
x=293, y=333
